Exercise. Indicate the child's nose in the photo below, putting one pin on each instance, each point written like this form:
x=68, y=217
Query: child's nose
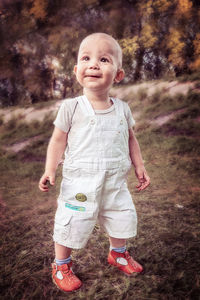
x=94, y=64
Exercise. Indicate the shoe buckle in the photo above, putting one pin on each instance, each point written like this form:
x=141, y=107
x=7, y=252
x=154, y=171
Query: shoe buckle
x=122, y=261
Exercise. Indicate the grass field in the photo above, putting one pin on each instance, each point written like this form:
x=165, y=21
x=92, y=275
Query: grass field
x=167, y=244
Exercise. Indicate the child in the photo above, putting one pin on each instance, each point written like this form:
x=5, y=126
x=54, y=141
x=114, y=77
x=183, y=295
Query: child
x=95, y=131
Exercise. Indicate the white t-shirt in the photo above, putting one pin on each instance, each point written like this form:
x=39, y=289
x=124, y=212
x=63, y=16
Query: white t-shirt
x=70, y=109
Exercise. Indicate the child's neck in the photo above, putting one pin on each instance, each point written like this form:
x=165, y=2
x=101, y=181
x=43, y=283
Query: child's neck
x=99, y=101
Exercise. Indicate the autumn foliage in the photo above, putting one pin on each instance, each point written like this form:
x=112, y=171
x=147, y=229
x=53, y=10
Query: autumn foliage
x=40, y=38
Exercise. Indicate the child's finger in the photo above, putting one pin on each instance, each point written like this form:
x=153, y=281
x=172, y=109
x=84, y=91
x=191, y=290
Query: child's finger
x=43, y=184
x=43, y=187
x=143, y=182
x=51, y=180
x=143, y=185
x=147, y=178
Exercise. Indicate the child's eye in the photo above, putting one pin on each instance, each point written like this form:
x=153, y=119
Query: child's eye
x=85, y=58
x=104, y=59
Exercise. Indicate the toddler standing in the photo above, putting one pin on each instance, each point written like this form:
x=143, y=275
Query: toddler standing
x=95, y=132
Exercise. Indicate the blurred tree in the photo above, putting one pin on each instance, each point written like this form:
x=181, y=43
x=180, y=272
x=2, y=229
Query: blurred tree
x=176, y=46
x=183, y=18
x=40, y=38
x=195, y=65
x=129, y=47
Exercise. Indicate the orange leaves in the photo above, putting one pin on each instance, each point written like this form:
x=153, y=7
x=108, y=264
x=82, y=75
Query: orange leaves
x=129, y=45
x=146, y=8
x=162, y=5
x=196, y=43
x=176, y=48
x=184, y=7
x=39, y=9
x=148, y=38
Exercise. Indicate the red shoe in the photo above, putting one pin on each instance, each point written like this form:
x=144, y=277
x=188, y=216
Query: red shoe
x=64, y=278
x=124, y=262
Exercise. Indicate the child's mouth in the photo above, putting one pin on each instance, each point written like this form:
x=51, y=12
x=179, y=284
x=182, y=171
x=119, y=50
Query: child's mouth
x=92, y=76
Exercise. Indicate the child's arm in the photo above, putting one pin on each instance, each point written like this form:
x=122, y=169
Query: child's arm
x=136, y=158
x=55, y=151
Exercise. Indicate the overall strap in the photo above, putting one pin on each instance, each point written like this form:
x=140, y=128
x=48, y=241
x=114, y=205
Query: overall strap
x=119, y=107
x=85, y=106
x=73, y=113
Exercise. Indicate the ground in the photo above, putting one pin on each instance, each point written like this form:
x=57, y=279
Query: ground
x=167, y=243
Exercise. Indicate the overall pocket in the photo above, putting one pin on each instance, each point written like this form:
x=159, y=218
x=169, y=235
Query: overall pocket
x=78, y=192
x=62, y=225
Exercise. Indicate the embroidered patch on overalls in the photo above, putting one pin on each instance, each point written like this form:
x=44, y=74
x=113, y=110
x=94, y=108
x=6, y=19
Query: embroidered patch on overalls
x=73, y=207
x=81, y=197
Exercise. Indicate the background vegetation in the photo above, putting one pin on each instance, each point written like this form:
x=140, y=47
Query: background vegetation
x=40, y=38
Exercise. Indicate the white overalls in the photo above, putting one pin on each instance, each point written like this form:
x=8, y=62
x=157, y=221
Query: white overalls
x=94, y=179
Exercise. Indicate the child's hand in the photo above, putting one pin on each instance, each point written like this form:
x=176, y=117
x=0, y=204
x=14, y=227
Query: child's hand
x=45, y=181
x=143, y=178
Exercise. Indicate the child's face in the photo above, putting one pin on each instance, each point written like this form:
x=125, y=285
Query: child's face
x=98, y=64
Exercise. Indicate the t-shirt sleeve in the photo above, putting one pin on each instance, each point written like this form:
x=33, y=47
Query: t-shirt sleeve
x=64, y=116
x=129, y=116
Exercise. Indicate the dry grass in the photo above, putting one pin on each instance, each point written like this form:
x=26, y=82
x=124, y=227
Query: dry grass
x=167, y=243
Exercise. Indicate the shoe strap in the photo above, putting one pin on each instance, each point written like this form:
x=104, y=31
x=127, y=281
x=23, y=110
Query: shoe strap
x=59, y=268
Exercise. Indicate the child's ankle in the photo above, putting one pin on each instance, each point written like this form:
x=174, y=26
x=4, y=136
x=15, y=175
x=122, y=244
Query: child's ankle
x=118, y=250
x=60, y=262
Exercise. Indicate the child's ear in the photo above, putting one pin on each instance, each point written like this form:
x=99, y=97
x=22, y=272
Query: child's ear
x=75, y=69
x=120, y=75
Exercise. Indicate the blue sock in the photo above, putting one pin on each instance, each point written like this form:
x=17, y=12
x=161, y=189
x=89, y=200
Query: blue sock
x=118, y=250
x=60, y=262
